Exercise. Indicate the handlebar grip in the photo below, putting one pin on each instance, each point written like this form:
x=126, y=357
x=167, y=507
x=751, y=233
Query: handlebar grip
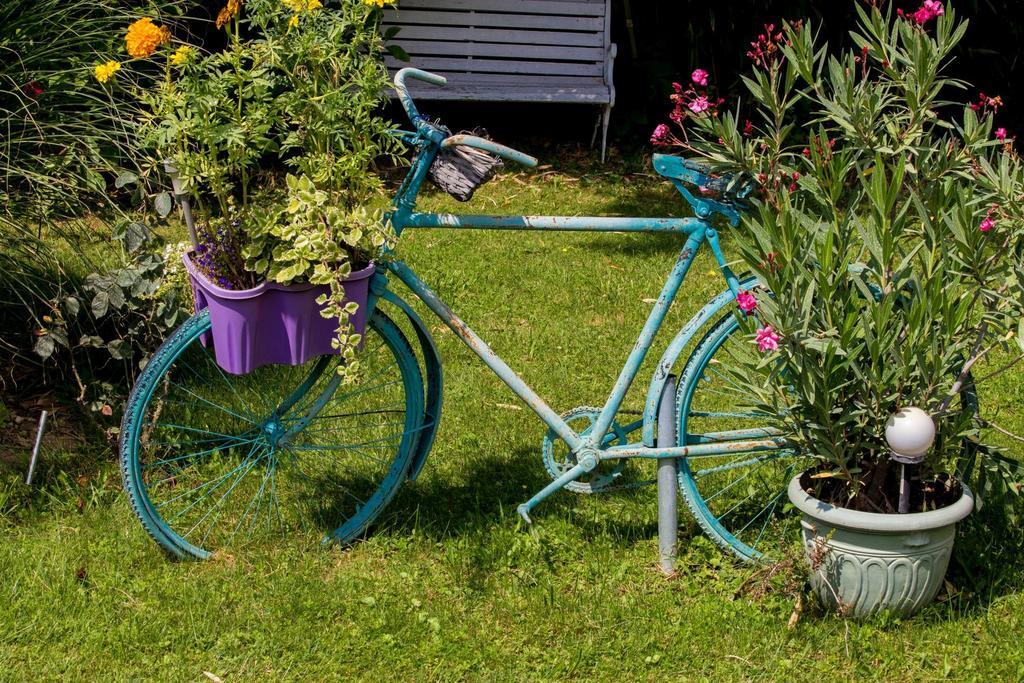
x=492, y=147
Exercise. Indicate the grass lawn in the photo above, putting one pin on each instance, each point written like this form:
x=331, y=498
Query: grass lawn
x=450, y=586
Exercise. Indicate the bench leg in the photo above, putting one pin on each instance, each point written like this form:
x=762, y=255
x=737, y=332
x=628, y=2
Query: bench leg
x=606, y=116
x=601, y=124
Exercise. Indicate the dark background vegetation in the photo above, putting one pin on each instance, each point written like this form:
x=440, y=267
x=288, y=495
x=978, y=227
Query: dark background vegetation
x=670, y=38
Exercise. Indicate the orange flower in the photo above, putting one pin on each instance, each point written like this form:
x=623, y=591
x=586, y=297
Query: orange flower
x=227, y=11
x=144, y=37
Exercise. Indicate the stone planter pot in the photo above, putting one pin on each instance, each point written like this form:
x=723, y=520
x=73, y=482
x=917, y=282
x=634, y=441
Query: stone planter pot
x=874, y=562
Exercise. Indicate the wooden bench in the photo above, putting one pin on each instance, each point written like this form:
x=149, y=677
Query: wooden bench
x=510, y=51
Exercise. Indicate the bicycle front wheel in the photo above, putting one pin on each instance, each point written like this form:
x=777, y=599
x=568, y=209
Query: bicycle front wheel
x=212, y=461
x=737, y=497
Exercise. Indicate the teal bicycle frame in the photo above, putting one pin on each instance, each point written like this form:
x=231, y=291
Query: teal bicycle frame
x=429, y=139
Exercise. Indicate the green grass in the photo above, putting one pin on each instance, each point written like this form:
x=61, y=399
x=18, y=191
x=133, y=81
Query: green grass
x=450, y=586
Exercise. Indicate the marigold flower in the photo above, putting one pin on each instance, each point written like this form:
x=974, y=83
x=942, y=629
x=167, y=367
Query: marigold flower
x=700, y=77
x=105, y=71
x=746, y=301
x=298, y=6
x=144, y=37
x=231, y=9
x=767, y=339
x=182, y=55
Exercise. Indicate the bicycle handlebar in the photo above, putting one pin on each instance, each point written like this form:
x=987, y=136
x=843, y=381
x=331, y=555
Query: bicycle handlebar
x=492, y=147
x=468, y=140
x=403, y=90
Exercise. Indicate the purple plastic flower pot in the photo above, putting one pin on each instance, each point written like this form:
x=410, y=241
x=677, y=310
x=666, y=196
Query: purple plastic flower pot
x=272, y=323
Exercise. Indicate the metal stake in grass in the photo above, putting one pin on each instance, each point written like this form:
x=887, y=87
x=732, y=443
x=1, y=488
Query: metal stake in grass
x=35, y=449
x=668, y=480
x=182, y=197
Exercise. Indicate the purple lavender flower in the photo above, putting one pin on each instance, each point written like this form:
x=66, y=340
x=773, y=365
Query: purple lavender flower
x=218, y=254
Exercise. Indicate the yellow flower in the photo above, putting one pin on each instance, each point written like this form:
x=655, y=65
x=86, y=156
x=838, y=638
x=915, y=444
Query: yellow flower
x=298, y=6
x=103, y=72
x=380, y=3
x=294, y=21
x=144, y=37
x=182, y=55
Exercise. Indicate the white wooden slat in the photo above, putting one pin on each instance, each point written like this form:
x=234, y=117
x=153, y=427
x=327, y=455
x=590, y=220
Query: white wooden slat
x=569, y=7
x=499, y=66
x=497, y=35
x=464, y=49
x=511, y=21
x=456, y=79
x=591, y=95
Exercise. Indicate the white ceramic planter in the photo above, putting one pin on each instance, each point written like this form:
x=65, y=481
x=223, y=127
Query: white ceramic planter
x=875, y=562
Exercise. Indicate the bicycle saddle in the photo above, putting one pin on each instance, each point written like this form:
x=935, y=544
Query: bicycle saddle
x=728, y=190
x=700, y=175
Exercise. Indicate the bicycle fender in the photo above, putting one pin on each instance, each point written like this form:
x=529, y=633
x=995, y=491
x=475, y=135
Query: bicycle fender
x=435, y=386
x=671, y=355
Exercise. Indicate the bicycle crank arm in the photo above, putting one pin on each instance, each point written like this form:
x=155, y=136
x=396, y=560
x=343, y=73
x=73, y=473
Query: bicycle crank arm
x=587, y=463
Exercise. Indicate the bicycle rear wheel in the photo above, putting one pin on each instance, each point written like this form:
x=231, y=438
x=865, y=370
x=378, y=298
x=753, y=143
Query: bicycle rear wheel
x=212, y=461
x=737, y=497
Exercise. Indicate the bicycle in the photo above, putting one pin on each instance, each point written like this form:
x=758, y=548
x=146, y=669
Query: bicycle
x=207, y=458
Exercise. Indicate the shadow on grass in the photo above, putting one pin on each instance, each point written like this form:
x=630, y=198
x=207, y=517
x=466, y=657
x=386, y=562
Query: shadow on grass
x=490, y=491
x=985, y=567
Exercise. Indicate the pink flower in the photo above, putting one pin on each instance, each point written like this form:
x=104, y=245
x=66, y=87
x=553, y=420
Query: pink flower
x=748, y=129
x=660, y=135
x=989, y=222
x=746, y=301
x=32, y=90
x=699, y=104
x=767, y=339
x=700, y=77
x=1000, y=133
x=928, y=11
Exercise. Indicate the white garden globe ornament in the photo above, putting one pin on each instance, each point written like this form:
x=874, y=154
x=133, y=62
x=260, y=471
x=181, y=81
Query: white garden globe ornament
x=910, y=434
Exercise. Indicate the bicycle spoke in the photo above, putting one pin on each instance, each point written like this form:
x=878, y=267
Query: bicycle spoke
x=216, y=476
x=211, y=403
x=735, y=464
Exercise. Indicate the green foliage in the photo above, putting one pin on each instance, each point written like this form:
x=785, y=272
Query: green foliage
x=869, y=230
x=95, y=331
x=301, y=84
x=66, y=140
x=298, y=240
x=64, y=135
